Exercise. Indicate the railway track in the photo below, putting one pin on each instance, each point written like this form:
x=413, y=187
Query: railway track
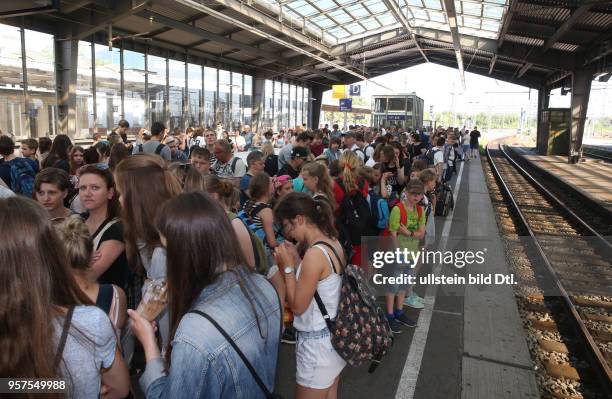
x=565, y=273
x=597, y=153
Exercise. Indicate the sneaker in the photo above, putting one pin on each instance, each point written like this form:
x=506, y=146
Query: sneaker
x=414, y=301
x=395, y=326
x=405, y=320
x=289, y=336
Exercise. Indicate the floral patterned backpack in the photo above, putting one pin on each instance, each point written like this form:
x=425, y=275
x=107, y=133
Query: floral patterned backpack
x=360, y=331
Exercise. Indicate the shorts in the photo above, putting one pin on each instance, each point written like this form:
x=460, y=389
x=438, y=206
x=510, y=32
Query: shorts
x=317, y=362
x=474, y=146
x=397, y=270
x=466, y=147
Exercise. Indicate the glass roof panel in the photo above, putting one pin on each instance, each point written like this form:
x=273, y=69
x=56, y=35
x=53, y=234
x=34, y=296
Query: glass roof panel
x=354, y=28
x=433, y=4
x=357, y=11
x=340, y=15
x=375, y=6
x=343, y=19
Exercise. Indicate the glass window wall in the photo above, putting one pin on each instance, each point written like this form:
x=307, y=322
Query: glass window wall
x=194, y=85
x=236, y=100
x=268, y=122
x=396, y=104
x=306, y=108
x=247, y=100
x=157, y=88
x=108, y=87
x=176, y=76
x=278, y=106
x=12, y=102
x=285, y=111
x=292, y=106
x=300, y=105
x=84, y=90
x=223, y=116
x=134, y=89
x=39, y=50
x=210, y=95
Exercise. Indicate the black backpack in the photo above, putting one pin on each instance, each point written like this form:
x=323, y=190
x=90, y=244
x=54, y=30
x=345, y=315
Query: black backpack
x=356, y=215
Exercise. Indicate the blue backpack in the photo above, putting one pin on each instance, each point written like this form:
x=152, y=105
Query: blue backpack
x=380, y=210
x=22, y=177
x=252, y=226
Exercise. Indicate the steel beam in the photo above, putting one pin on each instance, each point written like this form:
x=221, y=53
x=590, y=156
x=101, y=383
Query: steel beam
x=399, y=16
x=506, y=22
x=123, y=10
x=263, y=19
x=581, y=89
x=492, y=64
x=451, y=16
x=524, y=69
x=567, y=25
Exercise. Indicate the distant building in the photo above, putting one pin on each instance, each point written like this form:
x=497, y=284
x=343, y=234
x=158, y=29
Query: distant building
x=402, y=110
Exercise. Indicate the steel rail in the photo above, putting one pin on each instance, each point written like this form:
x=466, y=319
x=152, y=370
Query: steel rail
x=603, y=370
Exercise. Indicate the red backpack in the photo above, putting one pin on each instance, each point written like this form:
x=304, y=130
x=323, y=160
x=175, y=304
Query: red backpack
x=404, y=216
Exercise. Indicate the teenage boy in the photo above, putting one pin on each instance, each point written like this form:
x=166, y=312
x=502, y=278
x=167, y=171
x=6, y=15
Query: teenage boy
x=303, y=140
x=293, y=167
x=255, y=164
x=406, y=229
x=154, y=145
x=317, y=147
x=29, y=148
x=200, y=159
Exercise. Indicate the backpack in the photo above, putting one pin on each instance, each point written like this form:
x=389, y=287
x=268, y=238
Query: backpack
x=404, y=216
x=250, y=223
x=380, y=210
x=22, y=177
x=359, y=150
x=445, y=201
x=356, y=215
x=158, y=150
x=429, y=155
x=360, y=331
x=259, y=251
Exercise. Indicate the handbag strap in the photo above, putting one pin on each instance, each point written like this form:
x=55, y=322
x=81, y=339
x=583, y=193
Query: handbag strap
x=246, y=362
x=62, y=342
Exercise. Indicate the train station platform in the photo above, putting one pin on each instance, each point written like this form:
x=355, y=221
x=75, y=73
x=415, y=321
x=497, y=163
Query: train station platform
x=592, y=177
x=469, y=342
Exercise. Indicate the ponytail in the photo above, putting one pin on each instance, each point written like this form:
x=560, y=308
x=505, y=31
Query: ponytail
x=349, y=165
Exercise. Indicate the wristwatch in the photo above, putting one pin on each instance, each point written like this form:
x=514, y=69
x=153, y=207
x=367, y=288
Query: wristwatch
x=289, y=269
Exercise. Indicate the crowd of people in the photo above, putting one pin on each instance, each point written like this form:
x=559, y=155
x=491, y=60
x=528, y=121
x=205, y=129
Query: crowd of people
x=241, y=245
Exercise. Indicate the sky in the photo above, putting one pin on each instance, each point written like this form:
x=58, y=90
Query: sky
x=440, y=86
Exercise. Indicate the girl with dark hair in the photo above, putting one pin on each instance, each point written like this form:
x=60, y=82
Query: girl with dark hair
x=104, y=150
x=59, y=153
x=98, y=197
x=117, y=154
x=144, y=183
x=47, y=329
x=309, y=222
x=217, y=307
x=392, y=158
x=51, y=188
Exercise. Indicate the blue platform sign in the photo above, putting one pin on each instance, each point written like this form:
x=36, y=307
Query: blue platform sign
x=396, y=117
x=346, y=105
x=355, y=90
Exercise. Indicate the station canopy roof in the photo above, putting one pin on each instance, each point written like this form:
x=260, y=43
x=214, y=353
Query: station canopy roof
x=322, y=42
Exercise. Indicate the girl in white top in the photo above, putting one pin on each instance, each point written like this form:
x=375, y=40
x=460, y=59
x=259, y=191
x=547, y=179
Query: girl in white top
x=310, y=223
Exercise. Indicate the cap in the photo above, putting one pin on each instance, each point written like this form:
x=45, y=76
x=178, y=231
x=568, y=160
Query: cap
x=299, y=152
x=281, y=180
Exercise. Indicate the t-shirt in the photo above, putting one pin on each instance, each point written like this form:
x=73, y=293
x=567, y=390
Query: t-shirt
x=474, y=135
x=284, y=155
x=118, y=272
x=83, y=357
x=438, y=155
x=200, y=141
x=288, y=170
x=317, y=149
x=225, y=170
x=369, y=151
x=413, y=223
x=244, y=186
x=149, y=148
x=393, y=180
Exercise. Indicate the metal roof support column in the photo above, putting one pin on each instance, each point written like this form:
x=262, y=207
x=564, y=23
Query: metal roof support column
x=581, y=88
x=314, y=109
x=543, y=100
x=451, y=15
x=66, y=56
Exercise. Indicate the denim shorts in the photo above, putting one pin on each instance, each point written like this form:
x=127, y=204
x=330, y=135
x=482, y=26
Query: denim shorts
x=317, y=362
x=397, y=270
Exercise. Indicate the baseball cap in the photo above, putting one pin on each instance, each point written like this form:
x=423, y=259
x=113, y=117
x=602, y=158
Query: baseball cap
x=299, y=152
